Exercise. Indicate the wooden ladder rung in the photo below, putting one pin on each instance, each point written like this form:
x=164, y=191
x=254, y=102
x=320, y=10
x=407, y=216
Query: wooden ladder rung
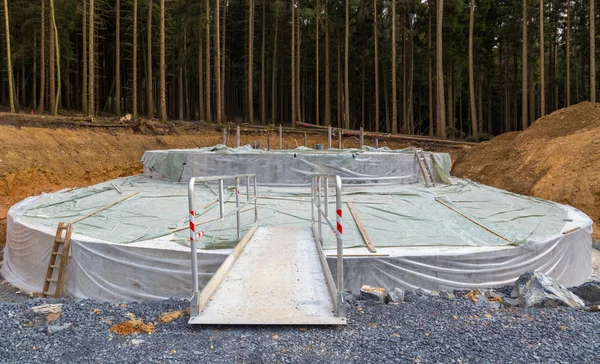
x=57, y=253
x=54, y=266
x=51, y=280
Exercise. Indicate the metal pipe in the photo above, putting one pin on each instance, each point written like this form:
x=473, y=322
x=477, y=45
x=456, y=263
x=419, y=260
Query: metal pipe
x=340, y=246
x=327, y=198
x=312, y=200
x=362, y=137
x=237, y=205
x=376, y=143
x=225, y=136
x=255, y=202
x=280, y=138
x=221, y=202
x=320, y=227
x=305, y=140
x=247, y=188
x=340, y=140
x=329, y=136
x=237, y=136
x=193, y=237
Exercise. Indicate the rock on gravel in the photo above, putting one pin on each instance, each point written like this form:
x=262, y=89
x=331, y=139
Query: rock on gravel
x=373, y=293
x=536, y=289
x=395, y=295
x=589, y=292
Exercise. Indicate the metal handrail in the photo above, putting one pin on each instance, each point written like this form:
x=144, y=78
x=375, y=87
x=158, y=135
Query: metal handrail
x=222, y=215
x=319, y=187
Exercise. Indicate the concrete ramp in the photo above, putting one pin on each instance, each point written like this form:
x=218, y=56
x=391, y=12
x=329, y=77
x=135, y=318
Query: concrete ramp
x=278, y=278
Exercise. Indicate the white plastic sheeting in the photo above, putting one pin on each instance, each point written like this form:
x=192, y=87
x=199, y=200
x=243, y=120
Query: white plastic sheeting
x=292, y=167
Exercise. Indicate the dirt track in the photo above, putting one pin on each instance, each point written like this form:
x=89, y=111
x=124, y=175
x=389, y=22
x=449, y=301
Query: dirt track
x=40, y=159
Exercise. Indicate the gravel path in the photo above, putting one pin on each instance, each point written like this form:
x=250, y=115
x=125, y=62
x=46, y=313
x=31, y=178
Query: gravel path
x=422, y=329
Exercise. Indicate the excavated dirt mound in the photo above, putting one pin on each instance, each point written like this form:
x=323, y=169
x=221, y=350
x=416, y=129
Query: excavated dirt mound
x=557, y=158
x=46, y=158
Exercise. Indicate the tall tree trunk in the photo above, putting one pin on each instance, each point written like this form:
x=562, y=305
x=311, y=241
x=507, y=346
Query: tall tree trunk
x=293, y=74
x=339, y=82
x=223, y=56
x=394, y=96
x=218, y=59
x=118, y=56
x=250, y=60
x=11, y=93
x=34, y=83
x=57, y=51
x=317, y=16
x=163, y=76
x=84, y=80
x=149, y=85
x=273, y=77
x=376, y=61
x=327, y=75
x=429, y=71
x=346, y=78
x=43, y=53
x=542, y=73
x=134, y=97
x=298, y=58
x=474, y=129
x=404, y=109
x=263, y=101
x=201, y=110
x=51, y=66
x=91, y=61
x=525, y=89
x=592, y=52
x=207, y=59
x=440, y=110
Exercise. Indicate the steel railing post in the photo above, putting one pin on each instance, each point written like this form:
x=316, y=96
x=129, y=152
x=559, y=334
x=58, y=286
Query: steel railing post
x=340, y=246
x=319, y=228
x=237, y=205
x=255, y=202
x=326, y=197
x=329, y=136
x=221, y=203
x=194, y=303
x=247, y=188
x=312, y=200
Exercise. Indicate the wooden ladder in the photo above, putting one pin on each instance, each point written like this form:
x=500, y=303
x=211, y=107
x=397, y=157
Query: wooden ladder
x=58, y=261
x=424, y=167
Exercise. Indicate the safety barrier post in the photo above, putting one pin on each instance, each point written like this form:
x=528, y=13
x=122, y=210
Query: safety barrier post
x=340, y=246
x=221, y=203
x=237, y=205
x=329, y=136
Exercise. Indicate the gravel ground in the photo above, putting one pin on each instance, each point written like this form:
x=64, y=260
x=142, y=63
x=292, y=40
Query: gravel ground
x=422, y=329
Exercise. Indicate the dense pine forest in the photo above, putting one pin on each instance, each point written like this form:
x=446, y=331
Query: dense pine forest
x=452, y=69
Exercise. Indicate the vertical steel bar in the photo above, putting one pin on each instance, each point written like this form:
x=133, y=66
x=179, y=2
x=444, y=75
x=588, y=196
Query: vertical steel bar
x=329, y=136
x=326, y=197
x=237, y=136
x=225, y=136
x=340, y=140
x=362, y=137
x=312, y=201
x=280, y=138
x=247, y=188
x=319, y=218
x=255, y=202
x=237, y=205
x=221, y=202
x=193, y=236
x=376, y=143
x=305, y=139
x=340, y=246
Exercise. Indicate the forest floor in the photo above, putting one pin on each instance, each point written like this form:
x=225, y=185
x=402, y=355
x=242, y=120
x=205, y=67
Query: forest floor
x=46, y=154
x=557, y=158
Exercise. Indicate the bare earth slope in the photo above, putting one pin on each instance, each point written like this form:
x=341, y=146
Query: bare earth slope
x=557, y=158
